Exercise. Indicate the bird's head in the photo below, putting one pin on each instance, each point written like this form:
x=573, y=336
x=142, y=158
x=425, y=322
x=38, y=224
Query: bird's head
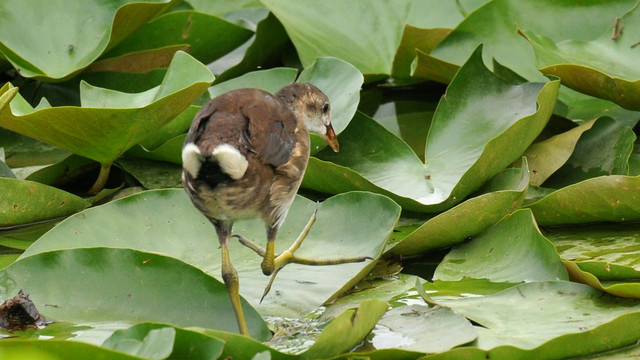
x=312, y=106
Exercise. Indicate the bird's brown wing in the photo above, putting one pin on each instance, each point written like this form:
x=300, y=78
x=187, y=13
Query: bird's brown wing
x=250, y=120
x=271, y=133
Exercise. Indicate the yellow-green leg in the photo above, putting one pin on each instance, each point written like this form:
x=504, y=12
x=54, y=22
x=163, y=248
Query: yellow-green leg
x=272, y=264
x=230, y=275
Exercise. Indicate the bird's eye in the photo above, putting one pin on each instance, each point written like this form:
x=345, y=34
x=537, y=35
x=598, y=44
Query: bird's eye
x=325, y=108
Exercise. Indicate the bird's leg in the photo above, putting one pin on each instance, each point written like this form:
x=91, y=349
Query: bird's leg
x=272, y=264
x=230, y=275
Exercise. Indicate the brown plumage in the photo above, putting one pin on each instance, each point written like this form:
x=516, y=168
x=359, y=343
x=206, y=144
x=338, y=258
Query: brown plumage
x=245, y=156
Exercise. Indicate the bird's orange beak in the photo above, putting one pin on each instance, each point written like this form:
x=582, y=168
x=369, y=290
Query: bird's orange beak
x=331, y=139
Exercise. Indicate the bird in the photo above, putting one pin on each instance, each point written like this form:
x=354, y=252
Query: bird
x=244, y=157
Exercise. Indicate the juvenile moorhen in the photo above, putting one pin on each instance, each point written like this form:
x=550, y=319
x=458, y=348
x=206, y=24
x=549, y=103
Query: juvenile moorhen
x=244, y=157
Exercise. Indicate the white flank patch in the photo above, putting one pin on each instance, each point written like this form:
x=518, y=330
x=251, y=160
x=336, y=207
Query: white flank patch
x=192, y=159
x=230, y=160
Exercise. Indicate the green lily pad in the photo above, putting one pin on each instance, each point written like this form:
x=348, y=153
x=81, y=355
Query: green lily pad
x=90, y=28
x=469, y=218
x=603, y=256
x=494, y=24
x=609, y=251
x=55, y=349
x=206, y=37
x=427, y=329
x=268, y=43
x=606, y=198
x=547, y=156
x=414, y=38
x=160, y=341
x=385, y=289
x=604, y=149
x=25, y=202
x=604, y=67
x=298, y=288
x=117, y=120
x=152, y=174
x=347, y=330
x=64, y=172
x=270, y=80
x=513, y=250
x=621, y=288
x=460, y=156
x=369, y=45
x=556, y=319
x=100, y=284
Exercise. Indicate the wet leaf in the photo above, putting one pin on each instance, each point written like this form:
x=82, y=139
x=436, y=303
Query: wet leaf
x=556, y=319
x=141, y=286
x=160, y=341
x=298, y=289
x=513, y=250
x=469, y=218
x=55, y=349
x=27, y=201
x=427, y=329
x=347, y=330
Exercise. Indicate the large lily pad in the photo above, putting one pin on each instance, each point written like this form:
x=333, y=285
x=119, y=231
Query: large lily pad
x=469, y=218
x=107, y=284
x=166, y=222
x=427, y=329
x=475, y=133
x=56, y=349
x=111, y=122
x=160, y=341
x=369, y=45
x=555, y=319
x=513, y=250
x=38, y=44
x=494, y=24
x=606, y=198
x=206, y=37
x=603, y=256
x=604, y=67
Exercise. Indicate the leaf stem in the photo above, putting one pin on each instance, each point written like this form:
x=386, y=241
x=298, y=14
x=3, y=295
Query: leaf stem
x=101, y=181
